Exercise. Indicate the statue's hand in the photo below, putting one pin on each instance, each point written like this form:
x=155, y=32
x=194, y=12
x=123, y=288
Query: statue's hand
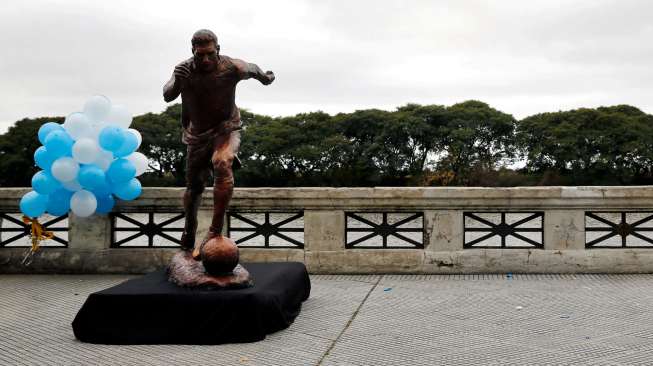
x=270, y=78
x=182, y=72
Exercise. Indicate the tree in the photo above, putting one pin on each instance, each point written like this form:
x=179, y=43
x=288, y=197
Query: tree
x=606, y=145
x=474, y=138
x=162, y=145
x=367, y=157
x=296, y=150
x=425, y=131
x=390, y=148
x=17, y=147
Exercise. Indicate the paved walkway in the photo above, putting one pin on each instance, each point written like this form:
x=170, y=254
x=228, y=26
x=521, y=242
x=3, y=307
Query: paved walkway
x=372, y=320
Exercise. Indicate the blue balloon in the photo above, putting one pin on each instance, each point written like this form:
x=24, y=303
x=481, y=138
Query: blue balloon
x=58, y=144
x=121, y=170
x=128, y=146
x=59, y=202
x=128, y=190
x=111, y=138
x=46, y=128
x=102, y=189
x=105, y=203
x=44, y=183
x=90, y=176
x=33, y=204
x=43, y=159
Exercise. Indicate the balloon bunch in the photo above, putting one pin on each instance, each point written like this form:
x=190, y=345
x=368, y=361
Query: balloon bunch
x=86, y=162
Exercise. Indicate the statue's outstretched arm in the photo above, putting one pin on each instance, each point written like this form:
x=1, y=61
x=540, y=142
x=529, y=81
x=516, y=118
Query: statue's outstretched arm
x=250, y=70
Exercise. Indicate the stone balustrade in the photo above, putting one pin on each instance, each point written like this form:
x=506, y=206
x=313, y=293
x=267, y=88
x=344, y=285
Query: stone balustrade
x=366, y=230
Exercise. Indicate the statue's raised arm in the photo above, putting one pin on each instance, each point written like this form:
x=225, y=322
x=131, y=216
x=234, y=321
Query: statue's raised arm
x=172, y=88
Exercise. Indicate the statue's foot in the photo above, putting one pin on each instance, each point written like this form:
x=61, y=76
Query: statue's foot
x=187, y=242
x=196, y=254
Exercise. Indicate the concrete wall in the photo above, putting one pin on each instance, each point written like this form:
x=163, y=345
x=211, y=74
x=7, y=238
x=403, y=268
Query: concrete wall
x=324, y=210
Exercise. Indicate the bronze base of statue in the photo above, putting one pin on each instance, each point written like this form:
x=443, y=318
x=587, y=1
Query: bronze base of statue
x=187, y=272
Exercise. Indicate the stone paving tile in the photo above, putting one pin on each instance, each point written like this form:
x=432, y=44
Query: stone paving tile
x=372, y=320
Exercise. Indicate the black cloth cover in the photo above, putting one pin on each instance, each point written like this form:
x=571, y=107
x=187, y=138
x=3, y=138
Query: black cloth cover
x=151, y=310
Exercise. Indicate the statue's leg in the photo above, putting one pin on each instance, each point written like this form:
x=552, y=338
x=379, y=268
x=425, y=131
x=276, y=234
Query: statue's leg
x=226, y=148
x=197, y=170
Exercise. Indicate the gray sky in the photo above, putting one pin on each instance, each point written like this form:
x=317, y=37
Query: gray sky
x=522, y=57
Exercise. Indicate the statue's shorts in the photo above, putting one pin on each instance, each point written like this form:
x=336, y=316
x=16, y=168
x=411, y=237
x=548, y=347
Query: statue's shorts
x=217, y=154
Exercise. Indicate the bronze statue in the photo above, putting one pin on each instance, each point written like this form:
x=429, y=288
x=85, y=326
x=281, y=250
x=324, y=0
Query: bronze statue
x=211, y=127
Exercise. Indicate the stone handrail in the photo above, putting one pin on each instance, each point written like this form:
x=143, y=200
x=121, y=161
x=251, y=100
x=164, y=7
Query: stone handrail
x=564, y=243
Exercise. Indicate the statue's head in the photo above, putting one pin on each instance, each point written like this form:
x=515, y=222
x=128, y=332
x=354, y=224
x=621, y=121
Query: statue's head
x=205, y=49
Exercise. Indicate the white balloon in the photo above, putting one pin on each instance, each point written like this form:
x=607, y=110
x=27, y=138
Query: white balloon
x=65, y=169
x=77, y=125
x=86, y=150
x=104, y=159
x=138, y=136
x=83, y=203
x=119, y=116
x=72, y=186
x=97, y=108
x=93, y=131
x=140, y=162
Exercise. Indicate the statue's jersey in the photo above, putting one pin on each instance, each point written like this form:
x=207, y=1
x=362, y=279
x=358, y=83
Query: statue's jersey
x=209, y=101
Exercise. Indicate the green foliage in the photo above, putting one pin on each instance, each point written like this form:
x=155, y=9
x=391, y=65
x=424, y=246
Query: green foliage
x=17, y=148
x=610, y=145
x=469, y=144
x=162, y=145
x=302, y=149
x=475, y=137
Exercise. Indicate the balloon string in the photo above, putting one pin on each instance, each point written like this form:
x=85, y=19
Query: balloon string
x=37, y=234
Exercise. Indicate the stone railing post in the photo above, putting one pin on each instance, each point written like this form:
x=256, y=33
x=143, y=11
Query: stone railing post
x=564, y=230
x=324, y=231
x=89, y=233
x=443, y=230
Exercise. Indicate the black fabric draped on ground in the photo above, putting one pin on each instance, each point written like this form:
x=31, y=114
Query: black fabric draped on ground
x=151, y=310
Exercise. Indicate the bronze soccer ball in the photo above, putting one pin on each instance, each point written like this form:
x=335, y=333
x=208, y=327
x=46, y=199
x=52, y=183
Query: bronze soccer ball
x=219, y=255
